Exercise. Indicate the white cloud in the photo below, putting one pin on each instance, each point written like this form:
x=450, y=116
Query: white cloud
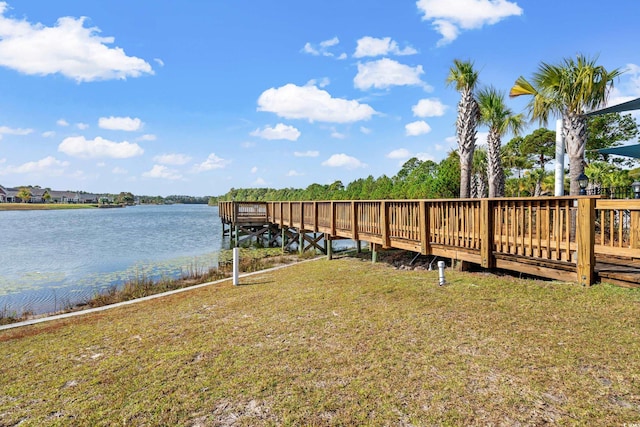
x=161, y=171
x=212, y=162
x=119, y=171
x=147, y=137
x=310, y=103
x=254, y=169
x=48, y=134
x=322, y=48
x=5, y=130
x=400, y=153
x=248, y=144
x=342, y=56
x=337, y=135
x=159, y=61
x=450, y=17
x=101, y=164
x=430, y=107
x=323, y=82
x=120, y=123
x=628, y=87
x=172, y=159
x=68, y=48
x=425, y=156
x=62, y=122
x=280, y=131
x=78, y=146
x=260, y=182
x=417, y=128
x=82, y=126
x=310, y=49
x=309, y=153
x=293, y=172
x=365, y=130
x=385, y=73
x=371, y=46
x=47, y=166
x=342, y=160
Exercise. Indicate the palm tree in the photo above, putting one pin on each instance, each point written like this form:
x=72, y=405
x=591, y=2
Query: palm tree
x=500, y=119
x=463, y=76
x=568, y=90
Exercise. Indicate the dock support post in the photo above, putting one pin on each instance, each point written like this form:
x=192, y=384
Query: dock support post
x=374, y=253
x=301, y=242
x=359, y=246
x=328, y=246
x=284, y=239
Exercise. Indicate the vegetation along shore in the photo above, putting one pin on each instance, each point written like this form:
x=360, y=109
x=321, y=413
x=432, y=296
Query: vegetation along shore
x=251, y=259
x=340, y=342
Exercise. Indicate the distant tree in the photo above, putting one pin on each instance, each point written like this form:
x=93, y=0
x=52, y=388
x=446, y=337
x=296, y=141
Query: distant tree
x=513, y=158
x=24, y=194
x=464, y=78
x=447, y=180
x=479, y=183
x=610, y=130
x=46, y=197
x=125, y=198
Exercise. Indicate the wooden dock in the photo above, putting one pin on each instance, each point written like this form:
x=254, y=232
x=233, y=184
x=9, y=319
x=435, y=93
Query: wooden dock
x=580, y=239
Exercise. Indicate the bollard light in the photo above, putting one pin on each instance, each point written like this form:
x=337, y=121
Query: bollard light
x=441, y=280
x=236, y=266
x=636, y=189
x=583, y=181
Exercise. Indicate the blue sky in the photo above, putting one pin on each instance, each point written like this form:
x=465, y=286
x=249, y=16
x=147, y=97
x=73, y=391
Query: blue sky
x=163, y=97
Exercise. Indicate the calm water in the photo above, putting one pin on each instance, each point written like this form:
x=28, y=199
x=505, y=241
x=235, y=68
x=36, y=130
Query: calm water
x=49, y=259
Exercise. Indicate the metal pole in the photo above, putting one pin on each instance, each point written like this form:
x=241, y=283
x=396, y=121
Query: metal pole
x=236, y=268
x=559, y=187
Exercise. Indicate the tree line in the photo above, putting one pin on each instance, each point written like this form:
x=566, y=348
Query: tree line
x=524, y=161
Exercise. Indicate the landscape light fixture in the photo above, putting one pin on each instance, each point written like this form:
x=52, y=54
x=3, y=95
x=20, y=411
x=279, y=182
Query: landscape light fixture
x=636, y=189
x=583, y=181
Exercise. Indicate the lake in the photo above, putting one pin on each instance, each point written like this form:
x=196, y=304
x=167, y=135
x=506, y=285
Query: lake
x=50, y=259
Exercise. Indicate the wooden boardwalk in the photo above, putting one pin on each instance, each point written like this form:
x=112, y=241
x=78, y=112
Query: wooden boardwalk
x=578, y=239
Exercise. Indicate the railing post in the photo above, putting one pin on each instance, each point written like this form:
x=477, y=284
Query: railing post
x=291, y=215
x=585, y=239
x=424, y=228
x=333, y=219
x=634, y=229
x=354, y=221
x=235, y=212
x=301, y=216
x=315, y=217
x=384, y=224
x=486, y=234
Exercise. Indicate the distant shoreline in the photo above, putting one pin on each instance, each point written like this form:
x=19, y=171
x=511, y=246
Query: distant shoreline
x=43, y=206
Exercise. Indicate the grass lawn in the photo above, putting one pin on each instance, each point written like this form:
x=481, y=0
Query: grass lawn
x=340, y=342
x=42, y=206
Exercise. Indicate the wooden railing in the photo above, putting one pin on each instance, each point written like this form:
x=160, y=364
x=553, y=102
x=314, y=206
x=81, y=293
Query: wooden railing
x=556, y=237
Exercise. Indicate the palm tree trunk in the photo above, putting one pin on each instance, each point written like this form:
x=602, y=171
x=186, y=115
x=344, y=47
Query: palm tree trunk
x=494, y=165
x=466, y=129
x=574, y=128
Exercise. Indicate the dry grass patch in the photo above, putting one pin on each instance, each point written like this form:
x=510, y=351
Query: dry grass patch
x=340, y=342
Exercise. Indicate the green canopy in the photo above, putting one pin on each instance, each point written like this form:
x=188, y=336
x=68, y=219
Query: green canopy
x=623, y=150
x=625, y=106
